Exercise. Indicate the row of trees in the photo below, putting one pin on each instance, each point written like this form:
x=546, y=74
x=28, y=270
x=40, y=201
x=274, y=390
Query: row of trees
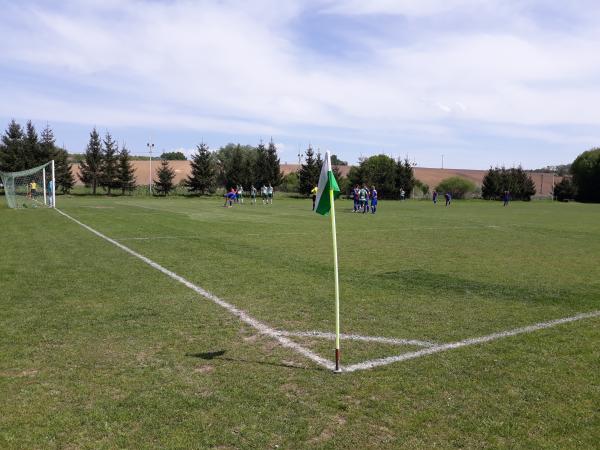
x=233, y=165
x=22, y=149
x=514, y=180
x=104, y=165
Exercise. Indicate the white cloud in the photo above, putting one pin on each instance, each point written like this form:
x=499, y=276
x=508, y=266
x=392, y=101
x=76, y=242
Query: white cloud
x=235, y=67
x=399, y=7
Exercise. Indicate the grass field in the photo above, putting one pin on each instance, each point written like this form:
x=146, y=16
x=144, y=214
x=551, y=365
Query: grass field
x=98, y=349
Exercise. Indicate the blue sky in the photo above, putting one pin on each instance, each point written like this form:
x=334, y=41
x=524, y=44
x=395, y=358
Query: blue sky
x=483, y=82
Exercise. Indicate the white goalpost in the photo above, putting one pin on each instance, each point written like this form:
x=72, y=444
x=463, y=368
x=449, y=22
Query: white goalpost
x=33, y=188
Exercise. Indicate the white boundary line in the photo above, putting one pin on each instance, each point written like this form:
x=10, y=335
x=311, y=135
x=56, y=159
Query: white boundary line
x=243, y=316
x=281, y=336
x=466, y=342
x=358, y=337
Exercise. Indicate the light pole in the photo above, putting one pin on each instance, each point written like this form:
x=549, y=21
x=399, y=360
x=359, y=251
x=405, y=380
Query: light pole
x=150, y=146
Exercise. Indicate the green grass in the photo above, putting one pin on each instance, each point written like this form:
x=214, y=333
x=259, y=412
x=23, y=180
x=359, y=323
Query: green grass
x=99, y=350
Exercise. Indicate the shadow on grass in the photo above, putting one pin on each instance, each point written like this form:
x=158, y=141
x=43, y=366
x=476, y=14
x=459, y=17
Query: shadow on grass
x=207, y=355
x=219, y=355
x=439, y=283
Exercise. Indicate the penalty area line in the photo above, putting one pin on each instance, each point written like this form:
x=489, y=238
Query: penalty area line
x=242, y=315
x=466, y=342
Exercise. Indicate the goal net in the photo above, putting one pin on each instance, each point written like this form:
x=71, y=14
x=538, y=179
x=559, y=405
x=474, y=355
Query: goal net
x=33, y=188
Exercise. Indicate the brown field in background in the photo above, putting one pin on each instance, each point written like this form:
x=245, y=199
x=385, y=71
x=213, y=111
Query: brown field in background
x=429, y=176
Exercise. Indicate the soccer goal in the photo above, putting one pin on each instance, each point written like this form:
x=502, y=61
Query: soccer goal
x=33, y=188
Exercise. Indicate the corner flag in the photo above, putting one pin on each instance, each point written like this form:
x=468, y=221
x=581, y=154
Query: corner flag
x=328, y=192
x=327, y=183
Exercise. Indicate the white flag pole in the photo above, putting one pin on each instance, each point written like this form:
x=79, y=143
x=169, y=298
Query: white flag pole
x=337, y=282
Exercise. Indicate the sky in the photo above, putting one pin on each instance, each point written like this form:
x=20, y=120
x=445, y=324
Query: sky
x=481, y=82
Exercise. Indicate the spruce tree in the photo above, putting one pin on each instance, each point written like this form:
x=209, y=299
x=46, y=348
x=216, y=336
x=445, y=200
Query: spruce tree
x=110, y=163
x=273, y=165
x=261, y=166
x=525, y=186
x=47, y=147
x=164, y=181
x=202, y=177
x=319, y=164
x=308, y=175
x=565, y=190
x=234, y=170
x=125, y=172
x=31, y=147
x=62, y=171
x=490, y=187
x=90, y=169
x=11, y=149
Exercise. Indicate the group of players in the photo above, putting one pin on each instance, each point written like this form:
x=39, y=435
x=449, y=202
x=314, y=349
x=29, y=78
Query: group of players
x=362, y=196
x=236, y=195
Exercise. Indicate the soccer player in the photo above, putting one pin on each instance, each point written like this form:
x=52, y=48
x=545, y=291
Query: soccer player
x=240, y=193
x=402, y=194
x=435, y=194
x=33, y=189
x=448, y=198
x=362, y=199
x=355, y=192
x=50, y=190
x=253, y=195
x=373, y=199
x=230, y=197
x=263, y=193
x=270, y=194
x=506, y=197
x=313, y=192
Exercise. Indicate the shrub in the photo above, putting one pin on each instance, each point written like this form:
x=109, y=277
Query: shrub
x=457, y=186
x=289, y=183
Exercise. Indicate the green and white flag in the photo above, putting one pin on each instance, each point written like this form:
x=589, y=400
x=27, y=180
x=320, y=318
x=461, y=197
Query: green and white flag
x=327, y=183
x=328, y=191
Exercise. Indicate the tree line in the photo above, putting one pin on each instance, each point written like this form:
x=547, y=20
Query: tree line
x=22, y=149
x=233, y=165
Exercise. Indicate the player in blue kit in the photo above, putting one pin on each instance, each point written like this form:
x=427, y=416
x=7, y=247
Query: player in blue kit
x=373, y=199
x=230, y=197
